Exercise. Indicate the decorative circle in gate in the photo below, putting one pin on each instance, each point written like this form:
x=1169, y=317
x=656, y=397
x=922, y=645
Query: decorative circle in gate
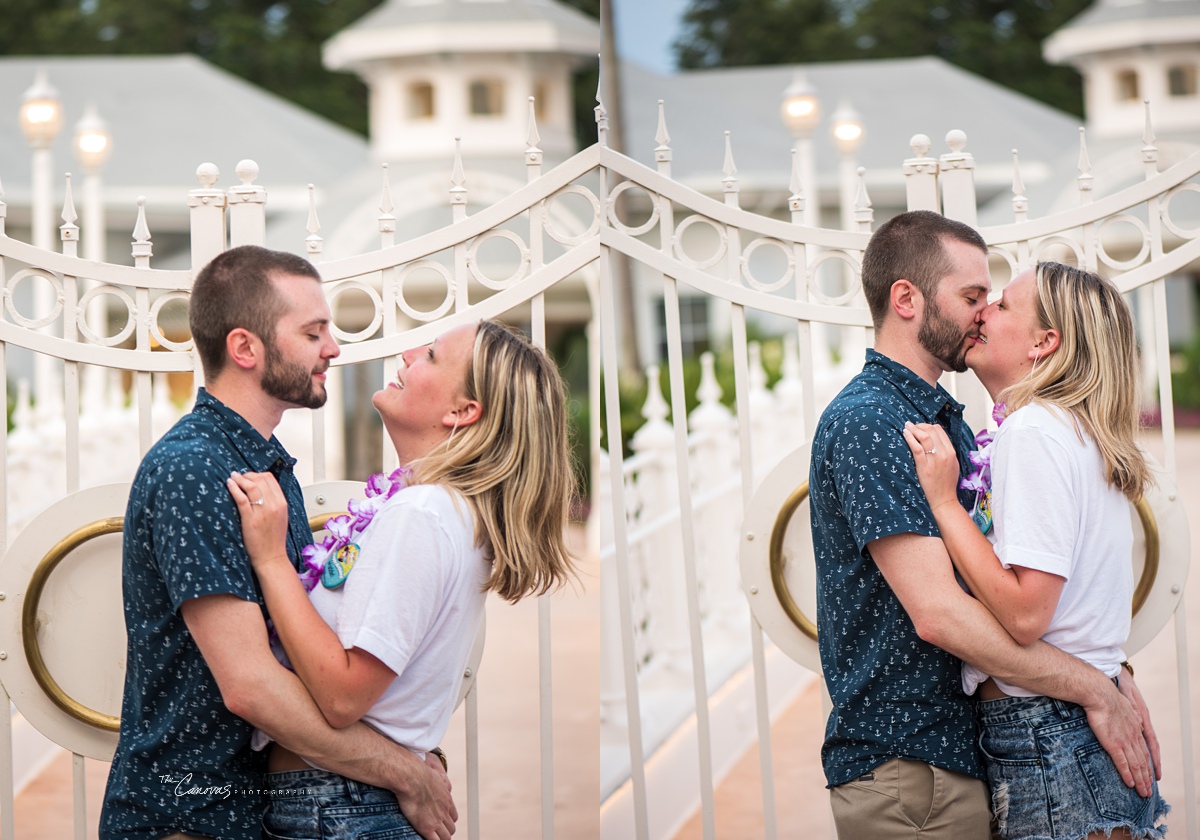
x=645, y=226
x=10, y=292
x=788, y=256
x=1168, y=222
x=1144, y=235
x=376, y=309
x=411, y=311
x=681, y=252
x=107, y=292
x=562, y=238
x=473, y=259
x=156, y=312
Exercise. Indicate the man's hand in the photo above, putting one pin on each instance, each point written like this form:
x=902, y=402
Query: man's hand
x=1133, y=695
x=1118, y=727
x=427, y=803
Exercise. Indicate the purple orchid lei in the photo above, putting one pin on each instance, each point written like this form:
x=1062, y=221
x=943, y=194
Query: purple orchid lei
x=979, y=479
x=344, y=529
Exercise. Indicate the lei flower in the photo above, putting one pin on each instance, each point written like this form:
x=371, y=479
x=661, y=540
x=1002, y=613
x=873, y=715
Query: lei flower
x=979, y=479
x=344, y=529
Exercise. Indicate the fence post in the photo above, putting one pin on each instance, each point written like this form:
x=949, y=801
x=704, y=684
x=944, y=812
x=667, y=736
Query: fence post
x=958, y=180
x=207, y=206
x=247, y=208
x=920, y=175
x=663, y=553
x=714, y=464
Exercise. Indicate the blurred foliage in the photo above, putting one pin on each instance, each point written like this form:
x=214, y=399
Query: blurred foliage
x=276, y=44
x=1185, y=375
x=1000, y=40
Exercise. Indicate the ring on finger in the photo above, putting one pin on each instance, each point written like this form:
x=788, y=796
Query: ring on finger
x=258, y=502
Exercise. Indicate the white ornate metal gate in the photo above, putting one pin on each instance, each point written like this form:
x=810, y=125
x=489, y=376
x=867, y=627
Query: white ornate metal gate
x=671, y=522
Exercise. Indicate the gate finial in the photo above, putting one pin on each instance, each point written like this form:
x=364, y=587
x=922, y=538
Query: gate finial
x=601, y=113
x=3, y=209
x=458, y=178
x=313, y=242
x=387, y=222
x=69, y=230
x=730, y=170
x=662, y=152
x=533, y=155
x=1149, y=150
x=1019, y=202
x=142, y=247
x=796, y=199
x=863, y=214
x=1085, y=169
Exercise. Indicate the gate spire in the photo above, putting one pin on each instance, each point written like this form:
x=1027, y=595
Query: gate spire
x=1085, y=169
x=662, y=152
x=1019, y=202
x=69, y=230
x=313, y=242
x=387, y=222
x=730, y=170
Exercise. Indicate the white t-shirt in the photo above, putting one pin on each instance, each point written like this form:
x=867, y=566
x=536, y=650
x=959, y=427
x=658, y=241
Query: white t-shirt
x=1054, y=511
x=414, y=600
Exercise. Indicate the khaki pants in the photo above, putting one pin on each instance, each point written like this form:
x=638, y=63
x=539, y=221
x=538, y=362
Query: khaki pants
x=909, y=799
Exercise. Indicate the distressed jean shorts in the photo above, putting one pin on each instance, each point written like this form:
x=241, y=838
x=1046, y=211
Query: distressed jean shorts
x=1051, y=779
x=316, y=805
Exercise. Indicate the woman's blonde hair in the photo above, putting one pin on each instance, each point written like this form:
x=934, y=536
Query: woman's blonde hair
x=1094, y=372
x=513, y=465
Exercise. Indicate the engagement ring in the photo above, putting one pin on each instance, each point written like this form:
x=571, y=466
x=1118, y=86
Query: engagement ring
x=258, y=501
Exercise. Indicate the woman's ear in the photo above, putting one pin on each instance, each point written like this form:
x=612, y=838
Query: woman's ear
x=464, y=414
x=244, y=348
x=905, y=298
x=1049, y=342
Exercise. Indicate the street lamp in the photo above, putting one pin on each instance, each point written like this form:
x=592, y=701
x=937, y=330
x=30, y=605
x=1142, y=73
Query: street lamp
x=801, y=111
x=847, y=130
x=93, y=145
x=41, y=118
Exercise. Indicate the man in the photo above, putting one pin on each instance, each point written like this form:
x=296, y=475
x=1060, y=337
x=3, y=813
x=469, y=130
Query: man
x=893, y=623
x=200, y=676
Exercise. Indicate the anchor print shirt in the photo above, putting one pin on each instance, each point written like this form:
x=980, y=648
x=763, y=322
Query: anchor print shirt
x=893, y=694
x=183, y=761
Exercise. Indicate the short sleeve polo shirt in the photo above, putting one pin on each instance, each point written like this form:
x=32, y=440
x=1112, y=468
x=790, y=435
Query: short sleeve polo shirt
x=893, y=693
x=183, y=761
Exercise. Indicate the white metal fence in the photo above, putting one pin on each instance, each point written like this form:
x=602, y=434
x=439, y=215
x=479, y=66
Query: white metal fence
x=675, y=625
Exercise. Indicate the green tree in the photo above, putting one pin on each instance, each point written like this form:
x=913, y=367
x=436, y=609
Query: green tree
x=998, y=39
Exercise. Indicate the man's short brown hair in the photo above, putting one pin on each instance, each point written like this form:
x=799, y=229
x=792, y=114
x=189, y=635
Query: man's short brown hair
x=235, y=291
x=911, y=247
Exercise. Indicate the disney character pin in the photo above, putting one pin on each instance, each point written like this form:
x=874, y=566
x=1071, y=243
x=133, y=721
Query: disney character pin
x=339, y=566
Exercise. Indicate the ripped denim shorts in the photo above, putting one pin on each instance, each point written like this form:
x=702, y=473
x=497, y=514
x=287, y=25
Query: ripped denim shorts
x=1050, y=778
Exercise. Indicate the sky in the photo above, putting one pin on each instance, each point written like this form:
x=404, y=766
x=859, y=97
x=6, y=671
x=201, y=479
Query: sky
x=646, y=29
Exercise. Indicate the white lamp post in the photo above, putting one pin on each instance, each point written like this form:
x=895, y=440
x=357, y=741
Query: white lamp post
x=93, y=145
x=847, y=132
x=41, y=118
x=801, y=111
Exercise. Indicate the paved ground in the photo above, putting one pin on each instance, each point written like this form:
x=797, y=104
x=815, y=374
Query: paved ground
x=803, y=810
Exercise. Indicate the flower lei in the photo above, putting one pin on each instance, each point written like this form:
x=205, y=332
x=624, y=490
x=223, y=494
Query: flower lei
x=344, y=529
x=979, y=479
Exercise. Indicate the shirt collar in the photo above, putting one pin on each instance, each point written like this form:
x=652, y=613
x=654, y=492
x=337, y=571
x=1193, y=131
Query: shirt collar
x=929, y=400
x=262, y=455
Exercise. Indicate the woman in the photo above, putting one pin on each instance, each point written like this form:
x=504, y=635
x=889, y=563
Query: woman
x=478, y=420
x=1058, y=354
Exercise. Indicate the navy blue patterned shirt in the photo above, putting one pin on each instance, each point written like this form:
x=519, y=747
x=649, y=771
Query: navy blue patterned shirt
x=183, y=761
x=893, y=694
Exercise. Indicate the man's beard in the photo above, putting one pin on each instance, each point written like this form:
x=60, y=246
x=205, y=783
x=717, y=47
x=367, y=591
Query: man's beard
x=291, y=383
x=943, y=339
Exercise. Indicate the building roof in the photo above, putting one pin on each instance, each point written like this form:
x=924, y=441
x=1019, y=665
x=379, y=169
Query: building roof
x=896, y=98
x=167, y=115
x=424, y=27
x=1121, y=24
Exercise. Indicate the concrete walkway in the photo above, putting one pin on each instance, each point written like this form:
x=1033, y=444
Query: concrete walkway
x=802, y=803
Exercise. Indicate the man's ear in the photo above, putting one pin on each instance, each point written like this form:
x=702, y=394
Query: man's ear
x=244, y=348
x=464, y=414
x=905, y=299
